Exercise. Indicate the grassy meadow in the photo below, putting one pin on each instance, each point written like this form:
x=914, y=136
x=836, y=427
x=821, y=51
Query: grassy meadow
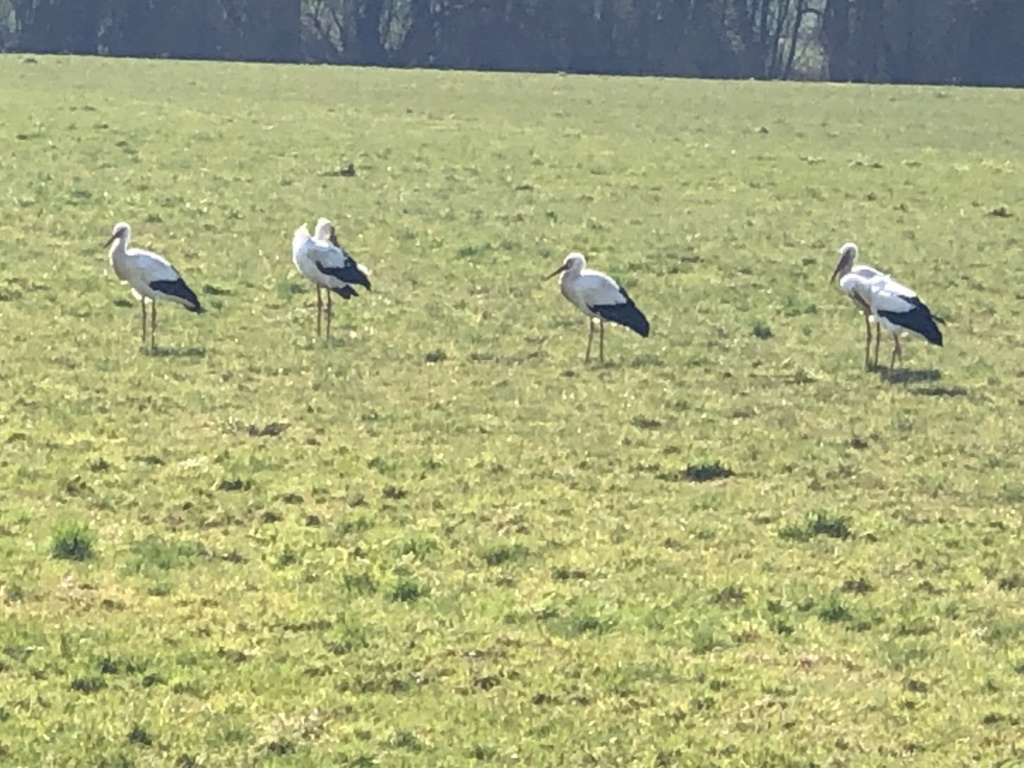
x=441, y=538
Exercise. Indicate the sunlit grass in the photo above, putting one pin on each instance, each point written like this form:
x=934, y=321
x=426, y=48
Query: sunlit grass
x=442, y=538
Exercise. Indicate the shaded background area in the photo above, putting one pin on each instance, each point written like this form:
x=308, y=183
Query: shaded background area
x=976, y=42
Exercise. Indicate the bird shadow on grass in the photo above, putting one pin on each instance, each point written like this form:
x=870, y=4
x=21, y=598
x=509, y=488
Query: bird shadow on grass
x=940, y=391
x=909, y=375
x=175, y=352
x=591, y=366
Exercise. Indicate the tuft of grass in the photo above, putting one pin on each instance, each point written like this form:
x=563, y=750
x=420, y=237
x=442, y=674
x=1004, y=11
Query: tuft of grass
x=139, y=735
x=73, y=541
x=153, y=554
x=702, y=473
x=705, y=638
x=730, y=595
x=407, y=590
x=833, y=610
x=88, y=684
x=818, y=524
x=503, y=553
x=697, y=473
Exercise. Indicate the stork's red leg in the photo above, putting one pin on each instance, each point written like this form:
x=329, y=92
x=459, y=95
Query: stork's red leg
x=329, y=315
x=319, y=310
x=867, y=350
x=896, y=352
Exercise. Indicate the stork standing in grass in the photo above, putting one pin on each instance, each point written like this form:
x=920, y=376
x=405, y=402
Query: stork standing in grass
x=150, y=276
x=598, y=297
x=848, y=265
x=896, y=308
x=322, y=261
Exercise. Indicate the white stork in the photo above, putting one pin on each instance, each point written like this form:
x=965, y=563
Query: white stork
x=896, y=308
x=150, y=276
x=848, y=266
x=599, y=297
x=324, y=262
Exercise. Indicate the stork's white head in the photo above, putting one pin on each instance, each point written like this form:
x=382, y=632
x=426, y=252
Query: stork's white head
x=847, y=258
x=574, y=263
x=323, y=228
x=121, y=232
x=325, y=231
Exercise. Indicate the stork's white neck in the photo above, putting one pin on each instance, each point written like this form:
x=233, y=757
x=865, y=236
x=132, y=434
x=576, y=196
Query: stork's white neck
x=119, y=257
x=119, y=246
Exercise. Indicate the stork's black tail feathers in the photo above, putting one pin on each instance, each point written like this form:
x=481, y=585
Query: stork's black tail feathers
x=627, y=314
x=349, y=273
x=919, y=320
x=179, y=290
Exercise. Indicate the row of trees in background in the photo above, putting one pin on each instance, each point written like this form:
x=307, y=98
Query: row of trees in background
x=906, y=41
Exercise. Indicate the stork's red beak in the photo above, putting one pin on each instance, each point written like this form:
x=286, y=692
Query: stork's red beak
x=557, y=271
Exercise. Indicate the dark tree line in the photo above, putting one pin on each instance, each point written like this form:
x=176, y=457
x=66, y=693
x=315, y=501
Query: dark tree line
x=906, y=41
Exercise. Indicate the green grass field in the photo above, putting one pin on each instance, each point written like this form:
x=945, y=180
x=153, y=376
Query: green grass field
x=441, y=539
